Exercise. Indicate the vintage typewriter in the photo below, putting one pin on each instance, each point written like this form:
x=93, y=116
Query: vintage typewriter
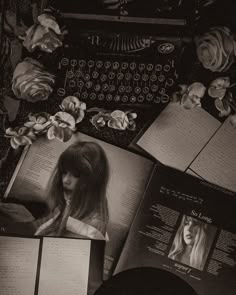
x=120, y=56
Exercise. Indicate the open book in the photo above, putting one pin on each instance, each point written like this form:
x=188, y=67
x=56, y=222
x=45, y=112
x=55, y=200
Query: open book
x=187, y=227
x=43, y=266
x=193, y=141
x=129, y=174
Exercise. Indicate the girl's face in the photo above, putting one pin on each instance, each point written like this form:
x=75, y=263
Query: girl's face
x=69, y=182
x=191, y=227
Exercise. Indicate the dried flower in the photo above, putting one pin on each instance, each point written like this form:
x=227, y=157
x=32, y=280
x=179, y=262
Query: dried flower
x=46, y=35
x=218, y=87
x=100, y=119
x=20, y=136
x=216, y=49
x=73, y=106
x=63, y=124
x=122, y=120
x=31, y=81
x=38, y=122
x=190, y=96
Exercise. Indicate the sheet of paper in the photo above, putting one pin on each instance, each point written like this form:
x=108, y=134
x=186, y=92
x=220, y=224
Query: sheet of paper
x=64, y=267
x=177, y=135
x=18, y=265
x=217, y=162
x=129, y=174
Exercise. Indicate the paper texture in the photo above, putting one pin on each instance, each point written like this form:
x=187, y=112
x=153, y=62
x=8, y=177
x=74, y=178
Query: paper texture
x=187, y=227
x=177, y=135
x=64, y=267
x=129, y=174
x=217, y=162
x=18, y=265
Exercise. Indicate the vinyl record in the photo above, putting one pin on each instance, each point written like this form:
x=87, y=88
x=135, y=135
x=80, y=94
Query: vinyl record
x=145, y=281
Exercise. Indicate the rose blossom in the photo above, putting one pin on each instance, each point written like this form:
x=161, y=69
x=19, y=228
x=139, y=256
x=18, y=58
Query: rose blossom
x=216, y=49
x=46, y=35
x=31, y=81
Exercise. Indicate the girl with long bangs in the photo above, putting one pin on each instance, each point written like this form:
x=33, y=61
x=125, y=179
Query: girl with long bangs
x=77, y=194
x=190, y=245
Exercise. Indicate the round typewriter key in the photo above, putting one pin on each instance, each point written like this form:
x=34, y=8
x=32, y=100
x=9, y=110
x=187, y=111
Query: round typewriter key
x=82, y=63
x=128, y=89
x=103, y=77
x=125, y=98
x=92, y=96
x=166, y=68
x=121, y=88
x=70, y=74
x=117, y=98
x=86, y=77
x=90, y=63
x=145, y=90
x=141, y=67
x=120, y=76
x=61, y=91
x=84, y=95
x=145, y=77
x=158, y=67
x=76, y=94
x=107, y=64
x=162, y=91
x=154, y=88
x=136, y=77
x=95, y=74
x=72, y=83
x=161, y=78
x=80, y=83
x=88, y=84
x=65, y=61
x=99, y=64
x=132, y=65
x=105, y=87
x=153, y=78
x=109, y=97
x=140, y=98
x=165, y=98
x=111, y=75
x=101, y=96
x=137, y=90
x=169, y=82
x=149, y=67
x=157, y=99
x=133, y=99
x=115, y=65
x=112, y=87
x=73, y=62
x=78, y=74
x=124, y=65
x=149, y=97
x=97, y=87
x=128, y=76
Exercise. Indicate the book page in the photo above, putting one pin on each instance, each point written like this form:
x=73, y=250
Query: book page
x=18, y=265
x=217, y=162
x=129, y=174
x=186, y=227
x=64, y=267
x=177, y=135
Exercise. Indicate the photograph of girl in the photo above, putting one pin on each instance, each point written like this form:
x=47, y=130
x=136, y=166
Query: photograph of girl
x=192, y=242
x=76, y=197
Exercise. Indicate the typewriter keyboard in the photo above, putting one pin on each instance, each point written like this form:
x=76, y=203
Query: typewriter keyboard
x=123, y=81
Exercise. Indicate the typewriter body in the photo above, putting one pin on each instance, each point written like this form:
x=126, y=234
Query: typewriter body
x=120, y=56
